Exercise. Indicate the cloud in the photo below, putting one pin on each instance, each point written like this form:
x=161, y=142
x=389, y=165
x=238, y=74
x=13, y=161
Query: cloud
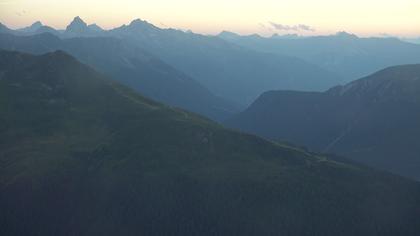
x=299, y=27
x=306, y=27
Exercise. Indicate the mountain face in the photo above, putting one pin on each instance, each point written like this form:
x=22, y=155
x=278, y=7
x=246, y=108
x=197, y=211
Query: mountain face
x=344, y=54
x=5, y=29
x=374, y=120
x=34, y=29
x=95, y=27
x=77, y=26
x=83, y=155
x=232, y=72
x=133, y=67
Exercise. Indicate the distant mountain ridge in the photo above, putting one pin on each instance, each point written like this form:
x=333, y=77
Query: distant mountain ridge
x=344, y=53
x=227, y=70
x=230, y=71
x=131, y=66
x=374, y=120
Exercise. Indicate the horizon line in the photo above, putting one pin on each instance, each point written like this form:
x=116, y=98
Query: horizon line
x=273, y=34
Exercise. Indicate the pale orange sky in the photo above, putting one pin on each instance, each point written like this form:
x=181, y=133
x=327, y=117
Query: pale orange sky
x=363, y=17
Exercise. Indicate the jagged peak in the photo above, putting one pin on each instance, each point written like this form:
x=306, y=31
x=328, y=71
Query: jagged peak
x=78, y=19
x=138, y=21
x=77, y=24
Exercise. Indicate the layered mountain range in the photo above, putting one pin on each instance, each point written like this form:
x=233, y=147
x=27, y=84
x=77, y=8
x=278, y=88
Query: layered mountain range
x=218, y=76
x=81, y=154
x=215, y=63
x=131, y=66
x=344, y=54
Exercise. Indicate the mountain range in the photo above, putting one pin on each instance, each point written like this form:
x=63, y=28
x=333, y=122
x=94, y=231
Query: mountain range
x=81, y=154
x=374, y=120
x=131, y=66
x=213, y=62
x=233, y=72
x=344, y=54
x=259, y=64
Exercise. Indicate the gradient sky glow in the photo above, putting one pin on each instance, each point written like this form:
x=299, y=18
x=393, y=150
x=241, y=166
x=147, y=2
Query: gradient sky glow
x=363, y=17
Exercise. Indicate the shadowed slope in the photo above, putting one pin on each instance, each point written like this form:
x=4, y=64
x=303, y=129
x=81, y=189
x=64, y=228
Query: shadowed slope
x=374, y=120
x=82, y=155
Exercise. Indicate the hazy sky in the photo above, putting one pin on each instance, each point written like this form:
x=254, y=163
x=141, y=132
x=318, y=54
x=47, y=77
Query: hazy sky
x=363, y=17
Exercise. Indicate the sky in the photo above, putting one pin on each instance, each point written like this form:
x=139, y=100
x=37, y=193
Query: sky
x=265, y=17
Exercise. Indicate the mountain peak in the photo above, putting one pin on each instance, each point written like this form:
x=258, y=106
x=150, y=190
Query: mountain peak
x=37, y=24
x=137, y=21
x=139, y=24
x=77, y=25
x=78, y=19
